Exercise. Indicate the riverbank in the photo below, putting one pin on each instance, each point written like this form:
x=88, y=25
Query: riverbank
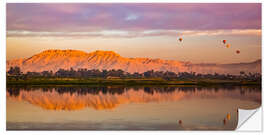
x=125, y=81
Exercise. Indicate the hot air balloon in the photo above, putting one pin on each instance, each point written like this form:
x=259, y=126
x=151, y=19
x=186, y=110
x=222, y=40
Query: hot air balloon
x=228, y=45
x=180, y=122
x=228, y=116
x=224, y=41
x=180, y=39
x=224, y=121
x=237, y=51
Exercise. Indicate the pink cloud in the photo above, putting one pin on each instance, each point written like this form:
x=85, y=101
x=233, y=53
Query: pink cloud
x=96, y=17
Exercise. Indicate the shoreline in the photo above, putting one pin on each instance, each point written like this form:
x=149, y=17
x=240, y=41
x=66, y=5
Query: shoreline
x=128, y=82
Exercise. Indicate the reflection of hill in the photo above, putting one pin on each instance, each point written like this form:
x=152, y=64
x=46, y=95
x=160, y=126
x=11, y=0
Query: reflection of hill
x=68, y=99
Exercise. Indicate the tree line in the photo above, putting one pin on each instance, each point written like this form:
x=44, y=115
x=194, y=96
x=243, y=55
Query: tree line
x=94, y=73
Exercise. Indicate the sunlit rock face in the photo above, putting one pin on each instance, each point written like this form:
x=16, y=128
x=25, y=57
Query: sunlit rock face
x=66, y=59
x=55, y=100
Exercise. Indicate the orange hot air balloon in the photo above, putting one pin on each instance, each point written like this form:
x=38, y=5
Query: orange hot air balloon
x=228, y=116
x=224, y=41
x=237, y=51
x=180, y=39
x=228, y=45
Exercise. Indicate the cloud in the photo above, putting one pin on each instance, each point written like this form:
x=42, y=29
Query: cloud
x=132, y=16
x=133, y=34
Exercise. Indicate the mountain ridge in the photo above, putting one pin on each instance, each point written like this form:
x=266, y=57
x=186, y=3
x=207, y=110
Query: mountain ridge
x=66, y=59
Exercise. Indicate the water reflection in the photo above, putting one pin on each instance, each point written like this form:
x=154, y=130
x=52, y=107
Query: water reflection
x=128, y=108
x=100, y=98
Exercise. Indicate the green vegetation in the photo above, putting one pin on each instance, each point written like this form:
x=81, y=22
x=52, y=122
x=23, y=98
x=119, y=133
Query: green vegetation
x=123, y=81
x=119, y=77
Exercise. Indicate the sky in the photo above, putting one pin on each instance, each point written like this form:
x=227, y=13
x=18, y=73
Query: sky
x=138, y=30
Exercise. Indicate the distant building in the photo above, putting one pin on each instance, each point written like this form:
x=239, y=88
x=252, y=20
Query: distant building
x=112, y=77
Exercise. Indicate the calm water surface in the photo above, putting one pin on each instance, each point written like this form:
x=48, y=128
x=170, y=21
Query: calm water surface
x=128, y=108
